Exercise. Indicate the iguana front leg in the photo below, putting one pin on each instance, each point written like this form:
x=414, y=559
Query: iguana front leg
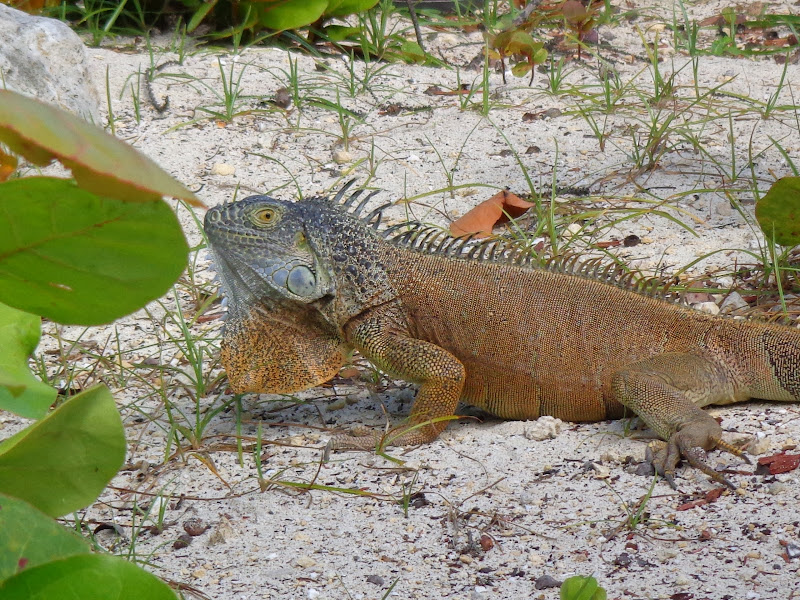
x=382, y=338
x=667, y=391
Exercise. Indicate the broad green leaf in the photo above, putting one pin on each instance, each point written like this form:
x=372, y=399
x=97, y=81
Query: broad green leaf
x=20, y=391
x=339, y=33
x=515, y=42
x=341, y=8
x=582, y=588
x=289, y=14
x=82, y=259
x=200, y=14
x=778, y=211
x=86, y=577
x=62, y=463
x=100, y=162
x=29, y=538
x=412, y=52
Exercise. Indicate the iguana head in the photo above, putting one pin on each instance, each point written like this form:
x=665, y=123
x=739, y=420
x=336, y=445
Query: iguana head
x=261, y=249
x=317, y=251
x=274, y=340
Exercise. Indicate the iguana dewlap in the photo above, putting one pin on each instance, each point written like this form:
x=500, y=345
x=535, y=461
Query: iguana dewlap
x=480, y=324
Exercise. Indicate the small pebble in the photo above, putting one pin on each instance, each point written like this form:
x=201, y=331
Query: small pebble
x=546, y=582
x=341, y=157
x=223, y=169
x=305, y=562
x=543, y=428
x=194, y=526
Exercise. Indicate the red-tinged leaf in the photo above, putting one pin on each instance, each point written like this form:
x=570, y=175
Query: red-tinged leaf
x=8, y=164
x=573, y=11
x=496, y=210
x=100, y=163
x=709, y=497
x=608, y=244
x=780, y=462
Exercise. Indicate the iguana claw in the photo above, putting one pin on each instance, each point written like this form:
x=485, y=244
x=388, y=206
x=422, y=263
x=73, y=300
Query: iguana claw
x=684, y=444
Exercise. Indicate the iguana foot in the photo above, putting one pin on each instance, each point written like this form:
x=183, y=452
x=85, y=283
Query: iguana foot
x=691, y=443
x=363, y=438
x=360, y=438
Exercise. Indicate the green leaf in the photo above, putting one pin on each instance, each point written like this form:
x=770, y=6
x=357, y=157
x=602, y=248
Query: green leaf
x=83, y=259
x=20, y=391
x=778, y=211
x=515, y=42
x=412, y=52
x=289, y=14
x=62, y=463
x=339, y=33
x=582, y=588
x=100, y=162
x=521, y=69
x=86, y=577
x=341, y=8
x=29, y=538
x=200, y=14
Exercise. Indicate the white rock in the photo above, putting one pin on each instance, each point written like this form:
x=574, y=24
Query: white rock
x=733, y=302
x=707, y=307
x=43, y=58
x=543, y=428
x=341, y=157
x=223, y=169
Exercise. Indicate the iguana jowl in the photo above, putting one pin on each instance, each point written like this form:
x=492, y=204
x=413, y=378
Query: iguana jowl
x=311, y=280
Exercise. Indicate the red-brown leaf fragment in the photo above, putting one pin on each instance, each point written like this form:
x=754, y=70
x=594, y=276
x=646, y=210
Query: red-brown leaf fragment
x=709, y=497
x=494, y=211
x=780, y=462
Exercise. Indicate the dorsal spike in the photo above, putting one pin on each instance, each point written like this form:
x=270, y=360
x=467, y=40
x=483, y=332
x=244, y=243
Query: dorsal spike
x=363, y=203
x=607, y=271
x=462, y=243
x=447, y=244
x=353, y=197
x=417, y=235
x=665, y=291
x=473, y=252
x=375, y=216
x=343, y=190
x=391, y=231
x=428, y=232
x=572, y=263
x=440, y=243
x=626, y=280
x=430, y=241
x=403, y=237
x=484, y=246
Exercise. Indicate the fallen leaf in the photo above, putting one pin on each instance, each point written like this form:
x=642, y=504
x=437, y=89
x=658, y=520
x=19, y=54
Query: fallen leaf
x=497, y=209
x=709, y=497
x=780, y=462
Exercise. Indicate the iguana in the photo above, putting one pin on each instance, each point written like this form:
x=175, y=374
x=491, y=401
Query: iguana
x=310, y=281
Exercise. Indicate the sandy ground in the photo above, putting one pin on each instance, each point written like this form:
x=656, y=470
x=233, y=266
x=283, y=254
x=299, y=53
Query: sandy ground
x=492, y=509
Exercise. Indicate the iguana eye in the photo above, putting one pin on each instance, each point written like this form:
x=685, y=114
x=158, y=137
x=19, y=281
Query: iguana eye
x=264, y=216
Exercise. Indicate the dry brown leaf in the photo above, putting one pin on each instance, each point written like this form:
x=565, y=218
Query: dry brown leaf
x=780, y=462
x=494, y=211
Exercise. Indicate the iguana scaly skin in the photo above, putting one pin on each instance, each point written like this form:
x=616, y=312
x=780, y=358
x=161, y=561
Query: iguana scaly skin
x=310, y=281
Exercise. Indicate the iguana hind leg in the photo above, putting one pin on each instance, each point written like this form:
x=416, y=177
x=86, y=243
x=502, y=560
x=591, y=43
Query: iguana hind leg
x=666, y=392
x=381, y=337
